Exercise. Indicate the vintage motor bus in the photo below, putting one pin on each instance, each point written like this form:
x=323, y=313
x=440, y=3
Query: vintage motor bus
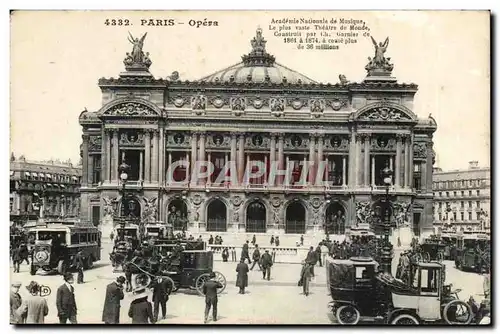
x=58, y=241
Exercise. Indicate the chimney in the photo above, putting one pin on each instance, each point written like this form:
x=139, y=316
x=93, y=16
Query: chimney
x=473, y=164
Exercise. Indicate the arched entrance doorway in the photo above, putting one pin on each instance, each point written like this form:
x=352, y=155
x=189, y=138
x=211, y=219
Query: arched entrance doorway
x=177, y=215
x=335, y=219
x=295, y=218
x=256, y=218
x=216, y=216
x=130, y=207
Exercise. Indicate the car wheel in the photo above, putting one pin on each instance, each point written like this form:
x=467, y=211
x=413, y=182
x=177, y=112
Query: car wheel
x=347, y=315
x=405, y=319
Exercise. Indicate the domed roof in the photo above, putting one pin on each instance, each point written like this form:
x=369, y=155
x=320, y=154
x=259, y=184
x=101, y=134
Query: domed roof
x=258, y=67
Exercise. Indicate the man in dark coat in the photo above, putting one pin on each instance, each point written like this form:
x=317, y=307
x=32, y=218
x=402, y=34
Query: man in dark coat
x=272, y=240
x=65, y=300
x=210, y=291
x=79, y=267
x=161, y=291
x=114, y=294
x=311, y=259
x=256, y=258
x=140, y=309
x=24, y=253
x=267, y=263
x=244, y=252
x=16, y=258
x=225, y=254
x=242, y=277
x=211, y=240
x=277, y=241
x=302, y=240
x=254, y=240
x=318, y=255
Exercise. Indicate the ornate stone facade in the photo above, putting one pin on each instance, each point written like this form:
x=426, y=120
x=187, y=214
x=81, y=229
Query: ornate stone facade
x=334, y=137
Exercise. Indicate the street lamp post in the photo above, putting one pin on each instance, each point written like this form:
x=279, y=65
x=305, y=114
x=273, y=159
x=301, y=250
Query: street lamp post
x=386, y=254
x=123, y=170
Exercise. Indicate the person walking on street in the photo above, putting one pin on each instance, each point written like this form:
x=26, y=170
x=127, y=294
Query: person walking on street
x=254, y=240
x=306, y=278
x=225, y=254
x=302, y=240
x=267, y=263
x=161, y=293
x=140, y=309
x=24, y=253
x=210, y=291
x=256, y=257
x=15, y=303
x=79, y=267
x=35, y=307
x=272, y=240
x=318, y=255
x=16, y=258
x=311, y=259
x=245, y=252
x=65, y=300
x=114, y=295
x=277, y=241
x=242, y=276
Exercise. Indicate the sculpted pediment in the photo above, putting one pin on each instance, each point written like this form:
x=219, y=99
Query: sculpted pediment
x=385, y=112
x=130, y=108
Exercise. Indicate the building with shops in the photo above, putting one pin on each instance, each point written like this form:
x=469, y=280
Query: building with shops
x=50, y=186
x=462, y=197
x=257, y=112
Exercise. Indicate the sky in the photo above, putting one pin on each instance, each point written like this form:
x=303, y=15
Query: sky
x=58, y=57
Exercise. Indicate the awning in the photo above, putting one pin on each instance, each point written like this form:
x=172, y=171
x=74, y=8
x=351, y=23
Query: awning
x=34, y=174
x=27, y=173
x=48, y=175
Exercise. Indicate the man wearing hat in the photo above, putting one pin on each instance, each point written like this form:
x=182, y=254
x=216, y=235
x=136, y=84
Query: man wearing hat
x=210, y=291
x=35, y=306
x=141, y=310
x=267, y=263
x=15, y=303
x=65, y=300
x=114, y=294
x=161, y=290
x=79, y=266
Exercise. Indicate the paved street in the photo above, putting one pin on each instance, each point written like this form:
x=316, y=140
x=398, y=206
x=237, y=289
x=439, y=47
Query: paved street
x=279, y=301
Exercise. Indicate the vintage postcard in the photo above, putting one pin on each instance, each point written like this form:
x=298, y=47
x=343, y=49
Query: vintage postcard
x=250, y=167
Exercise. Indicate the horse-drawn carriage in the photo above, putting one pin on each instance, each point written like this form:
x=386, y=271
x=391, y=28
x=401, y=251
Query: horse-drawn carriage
x=473, y=252
x=358, y=292
x=189, y=269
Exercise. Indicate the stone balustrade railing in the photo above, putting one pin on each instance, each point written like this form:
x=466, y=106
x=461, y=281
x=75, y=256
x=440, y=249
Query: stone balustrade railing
x=279, y=254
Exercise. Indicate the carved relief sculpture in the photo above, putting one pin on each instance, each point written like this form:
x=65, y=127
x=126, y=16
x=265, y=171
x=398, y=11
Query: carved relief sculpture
x=238, y=105
x=363, y=212
x=420, y=150
x=317, y=105
x=95, y=143
x=150, y=210
x=199, y=102
x=131, y=139
x=277, y=104
x=385, y=114
x=130, y=109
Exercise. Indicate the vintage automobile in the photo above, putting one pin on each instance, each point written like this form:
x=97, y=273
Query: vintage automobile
x=191, y=271
x=450, y=245
x=473, y=252
x=351, y=286
x=360, y=293
x=427, y=300
x=158, y=230
x=123, y=231
x=58, y=241
x=433, y=249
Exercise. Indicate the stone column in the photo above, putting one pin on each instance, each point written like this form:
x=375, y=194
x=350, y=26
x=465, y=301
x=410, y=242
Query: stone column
x=194, y=148
x=90, y=169
x=352, y=159
x=141, y=166
x=188, y=176
x=410, y=158
x=104, y=155
x=287, y=167
x=373, y=171
x=201, y=153
x=366, y=169
x=154, y=158
x=357, y=168
x=161, y=156
x=113, y=157
x=171, y=174
x=209, y=159
x=344, y=163
x=407, y=162
x=320, y=160
x=267, y=169
x=233, y=155
x=241, y=157
x=281, y=155
x=272, y=150
x=397, y=180
x=147, y=158
x=312, y=160
x=85, y=158
x=247, y=164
